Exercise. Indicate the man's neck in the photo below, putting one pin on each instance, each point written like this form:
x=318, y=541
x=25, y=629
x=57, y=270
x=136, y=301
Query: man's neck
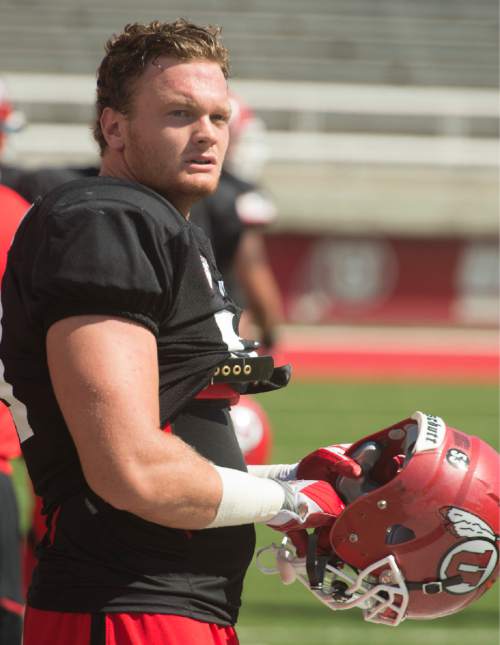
x=110, y=169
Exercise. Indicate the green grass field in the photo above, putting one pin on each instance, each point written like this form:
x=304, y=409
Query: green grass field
x=307, y=415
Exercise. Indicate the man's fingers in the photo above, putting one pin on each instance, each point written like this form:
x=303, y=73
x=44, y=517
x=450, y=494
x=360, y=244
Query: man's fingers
x=299, y=541
x=343, y=465
x=328, y=463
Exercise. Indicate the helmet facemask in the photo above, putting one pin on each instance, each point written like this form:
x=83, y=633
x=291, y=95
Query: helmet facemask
x=379, y=590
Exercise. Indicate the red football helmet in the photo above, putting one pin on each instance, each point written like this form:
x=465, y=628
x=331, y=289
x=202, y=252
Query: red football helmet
x=252, y=429
x=419, y=535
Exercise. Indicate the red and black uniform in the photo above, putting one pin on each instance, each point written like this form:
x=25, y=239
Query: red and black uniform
x=12, y=209
x=110, y=247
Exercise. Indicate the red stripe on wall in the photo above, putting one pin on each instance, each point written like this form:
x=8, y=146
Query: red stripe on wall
x=408, y=364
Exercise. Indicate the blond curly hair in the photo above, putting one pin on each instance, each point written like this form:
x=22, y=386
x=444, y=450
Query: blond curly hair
x=128, y=53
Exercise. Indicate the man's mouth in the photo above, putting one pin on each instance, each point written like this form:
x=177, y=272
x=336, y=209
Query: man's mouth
x=202, y=161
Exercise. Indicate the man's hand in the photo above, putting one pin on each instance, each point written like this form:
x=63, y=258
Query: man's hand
x=327, y=464
x=308, y=504
x=300, y=540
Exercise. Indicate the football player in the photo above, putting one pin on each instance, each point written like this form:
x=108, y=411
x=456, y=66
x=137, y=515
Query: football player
x=121, y=345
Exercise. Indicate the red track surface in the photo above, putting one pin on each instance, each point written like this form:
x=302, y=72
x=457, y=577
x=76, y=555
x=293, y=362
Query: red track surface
x=382, y=358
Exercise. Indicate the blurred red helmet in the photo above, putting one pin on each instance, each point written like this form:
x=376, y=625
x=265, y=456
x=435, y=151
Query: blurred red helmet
x=10, y=120
x=242, y=115
x=13, y=207
x=248, y=150
x=253, y=430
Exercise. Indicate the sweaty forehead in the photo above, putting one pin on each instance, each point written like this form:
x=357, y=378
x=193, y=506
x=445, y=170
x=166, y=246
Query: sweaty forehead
x=194, y=80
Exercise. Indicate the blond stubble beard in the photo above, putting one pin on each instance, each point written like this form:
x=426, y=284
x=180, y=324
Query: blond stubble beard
x=187, y=192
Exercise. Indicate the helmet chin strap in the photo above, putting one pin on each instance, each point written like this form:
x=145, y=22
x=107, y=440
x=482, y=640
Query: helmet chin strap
x=435, y=586
x=315, y=564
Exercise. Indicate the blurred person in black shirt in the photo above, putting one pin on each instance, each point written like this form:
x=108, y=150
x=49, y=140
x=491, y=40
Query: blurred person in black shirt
x=235, y=218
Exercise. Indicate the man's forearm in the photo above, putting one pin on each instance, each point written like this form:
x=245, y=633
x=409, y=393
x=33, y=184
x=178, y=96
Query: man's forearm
x=172, y=485
x=166, y=482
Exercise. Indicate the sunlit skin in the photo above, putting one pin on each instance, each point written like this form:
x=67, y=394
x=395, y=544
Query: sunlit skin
x=175, y=138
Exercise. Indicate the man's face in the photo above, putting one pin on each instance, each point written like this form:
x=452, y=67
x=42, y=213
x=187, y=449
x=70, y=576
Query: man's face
x=177, y=133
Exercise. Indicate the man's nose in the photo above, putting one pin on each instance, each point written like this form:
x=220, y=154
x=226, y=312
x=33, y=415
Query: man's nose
x=205, y=131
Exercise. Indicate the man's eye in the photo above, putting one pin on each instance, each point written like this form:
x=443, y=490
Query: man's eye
x=180, y=113
x=220, y=118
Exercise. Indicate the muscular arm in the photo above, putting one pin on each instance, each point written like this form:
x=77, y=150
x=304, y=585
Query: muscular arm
x=105, y=376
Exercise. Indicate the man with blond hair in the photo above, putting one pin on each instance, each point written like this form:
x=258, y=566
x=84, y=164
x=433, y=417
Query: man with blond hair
x=121, y=345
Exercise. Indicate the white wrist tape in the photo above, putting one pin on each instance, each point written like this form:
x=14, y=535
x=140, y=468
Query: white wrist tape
x=246, y=499
x=282, y=472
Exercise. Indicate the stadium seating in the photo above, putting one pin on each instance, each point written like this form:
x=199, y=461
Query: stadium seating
x=392, y=103
x=452, y=42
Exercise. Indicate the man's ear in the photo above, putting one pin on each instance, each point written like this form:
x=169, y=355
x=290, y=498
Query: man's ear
x=113, y=128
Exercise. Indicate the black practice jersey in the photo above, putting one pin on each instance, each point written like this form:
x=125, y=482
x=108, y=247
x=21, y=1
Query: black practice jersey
x=110, y=247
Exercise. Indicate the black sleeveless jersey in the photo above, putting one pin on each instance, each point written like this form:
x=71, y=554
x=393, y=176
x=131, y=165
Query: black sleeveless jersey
x=110, y=247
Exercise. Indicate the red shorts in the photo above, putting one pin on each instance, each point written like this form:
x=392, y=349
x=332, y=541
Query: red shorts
x=61, y=628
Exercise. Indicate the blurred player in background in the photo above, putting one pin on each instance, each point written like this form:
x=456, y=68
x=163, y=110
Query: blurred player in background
x=234, y=217
x=12, y=209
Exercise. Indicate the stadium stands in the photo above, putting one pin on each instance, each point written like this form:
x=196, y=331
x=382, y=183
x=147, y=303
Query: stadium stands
x=451, y=42
x=382, y=114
